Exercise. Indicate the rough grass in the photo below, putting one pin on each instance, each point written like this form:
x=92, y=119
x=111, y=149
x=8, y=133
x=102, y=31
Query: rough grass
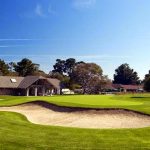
x=17, y=133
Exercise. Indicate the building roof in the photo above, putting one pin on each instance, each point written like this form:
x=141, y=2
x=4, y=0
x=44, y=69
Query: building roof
x=127, y=87
x=117, y=86
x=24, y=82
x=54, y=82
x=132, y=87
x=109, y=86
x=121, y=86
x=27, y=81
x=5, y=82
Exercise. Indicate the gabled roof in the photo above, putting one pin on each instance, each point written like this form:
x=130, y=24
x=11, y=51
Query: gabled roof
x=54, y=82
x=5, y=82
x=25, y=82
x=29, y=80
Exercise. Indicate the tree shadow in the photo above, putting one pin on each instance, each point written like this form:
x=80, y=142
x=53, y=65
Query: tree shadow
x=140, y=97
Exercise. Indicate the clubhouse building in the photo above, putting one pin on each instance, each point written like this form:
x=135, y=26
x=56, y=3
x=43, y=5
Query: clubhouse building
x=29, y=86
x=123, y=88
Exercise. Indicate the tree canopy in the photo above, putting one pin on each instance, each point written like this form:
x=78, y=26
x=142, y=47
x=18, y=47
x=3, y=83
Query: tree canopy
x=147, y=75
x=88, y=75
x=59, y=66
x=64, y=66
x=76, y=75
x=63, y=71
x=69, y=65
x=26, y=67
x=147, y=82
x=125, y=75
x=4, y=68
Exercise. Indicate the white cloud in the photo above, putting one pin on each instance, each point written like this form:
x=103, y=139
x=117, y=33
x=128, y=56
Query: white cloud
x=19, y=39
x=5, y=46
x=86, y=58
x=39, y=11
x=42, y=11
x=80, y=4
x=50, y=10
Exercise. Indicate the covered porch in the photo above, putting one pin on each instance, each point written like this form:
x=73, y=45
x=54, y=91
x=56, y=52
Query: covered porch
x=42, y=87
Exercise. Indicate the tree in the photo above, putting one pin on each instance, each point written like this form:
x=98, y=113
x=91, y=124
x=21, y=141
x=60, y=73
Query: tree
x=11, y=66
x=4, y=68
x=74, y=74
x=59, y=66
x=69, y=65
x=40, y=73
x=63, y=71
x=125, y=75
x=88, y=75
x=147, y=84
x=11, y=69
x=65, y=66
x=26, y=67
x=56, y=75
x=147, y=75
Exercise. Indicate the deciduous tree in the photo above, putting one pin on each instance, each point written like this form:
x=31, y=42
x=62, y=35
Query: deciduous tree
x=89, y=76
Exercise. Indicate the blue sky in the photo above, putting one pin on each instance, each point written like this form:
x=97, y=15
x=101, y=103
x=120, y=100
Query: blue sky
x=107, y=32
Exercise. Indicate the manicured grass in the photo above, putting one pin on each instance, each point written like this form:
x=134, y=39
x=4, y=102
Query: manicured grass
x=17, y=133
x=134, y=102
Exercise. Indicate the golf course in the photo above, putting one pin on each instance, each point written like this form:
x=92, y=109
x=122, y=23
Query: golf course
x=17, y=132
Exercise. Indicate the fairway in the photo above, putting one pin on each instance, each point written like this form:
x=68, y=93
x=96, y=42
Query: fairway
x=77, y=100
x=17, y=132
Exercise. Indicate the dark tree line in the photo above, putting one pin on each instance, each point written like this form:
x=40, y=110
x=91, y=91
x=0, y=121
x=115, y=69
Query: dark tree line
x=4, y=68
x=126, y=75
x=73, y=74
x=23, y=68
x=147, y=82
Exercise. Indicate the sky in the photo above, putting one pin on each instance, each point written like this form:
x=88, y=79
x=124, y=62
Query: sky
x=106, y=32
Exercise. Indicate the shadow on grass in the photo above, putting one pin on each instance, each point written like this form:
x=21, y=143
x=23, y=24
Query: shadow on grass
x=140, y=97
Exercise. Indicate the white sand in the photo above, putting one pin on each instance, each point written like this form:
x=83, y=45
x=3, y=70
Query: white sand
x=83, y=119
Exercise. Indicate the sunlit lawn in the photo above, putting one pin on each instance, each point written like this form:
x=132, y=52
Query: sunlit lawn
x=17, y=133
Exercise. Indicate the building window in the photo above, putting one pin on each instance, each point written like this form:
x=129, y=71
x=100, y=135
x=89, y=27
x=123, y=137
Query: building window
x=13, y=80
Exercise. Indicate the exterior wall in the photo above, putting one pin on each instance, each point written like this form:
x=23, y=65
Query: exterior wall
x=13, y=92
x=43, y=88
x=42, y=91
x=39, y=88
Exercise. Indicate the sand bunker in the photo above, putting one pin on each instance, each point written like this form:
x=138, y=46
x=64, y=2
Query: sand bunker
x=48, y=114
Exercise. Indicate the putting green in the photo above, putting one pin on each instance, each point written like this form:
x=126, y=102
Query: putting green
x=94, y=100
x=77, y=100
